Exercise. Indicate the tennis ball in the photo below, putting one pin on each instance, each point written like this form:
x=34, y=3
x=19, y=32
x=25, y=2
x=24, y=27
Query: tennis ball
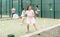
x=51, y=9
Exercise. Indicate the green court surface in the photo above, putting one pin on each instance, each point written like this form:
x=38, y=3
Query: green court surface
x=13, y=26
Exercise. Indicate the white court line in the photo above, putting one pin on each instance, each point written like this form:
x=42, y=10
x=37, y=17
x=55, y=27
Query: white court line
x=37, y=32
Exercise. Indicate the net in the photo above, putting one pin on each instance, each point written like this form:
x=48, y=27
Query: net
x=52, y=31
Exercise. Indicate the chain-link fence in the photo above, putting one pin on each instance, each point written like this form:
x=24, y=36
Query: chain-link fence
x=48, y=8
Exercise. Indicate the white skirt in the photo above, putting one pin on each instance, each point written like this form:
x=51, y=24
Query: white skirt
x=30, y=21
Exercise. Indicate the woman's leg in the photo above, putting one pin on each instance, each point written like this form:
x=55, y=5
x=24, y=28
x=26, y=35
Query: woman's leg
x=28, y=24
x=35, y=27
x=28, y=27
x=36, y=15
x=34, y=24
x=22, y=19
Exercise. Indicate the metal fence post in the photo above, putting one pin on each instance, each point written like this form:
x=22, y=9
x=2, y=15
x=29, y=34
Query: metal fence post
x=1, y=8
x=54, y=9
x=10, y=6
x=21, y=4
x=6, y=7
x=19, y=7
x=12, y=3
x=41, y=8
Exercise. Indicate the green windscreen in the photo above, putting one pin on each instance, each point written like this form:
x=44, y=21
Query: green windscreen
x=48, y=8
x=57, y=8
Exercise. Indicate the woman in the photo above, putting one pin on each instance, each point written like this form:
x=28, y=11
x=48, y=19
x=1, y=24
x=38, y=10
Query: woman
x=37, y=10
x=22, y=15
x=30, y=18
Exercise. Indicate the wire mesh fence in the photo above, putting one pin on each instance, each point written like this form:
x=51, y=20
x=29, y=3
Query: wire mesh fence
x=48, y=8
